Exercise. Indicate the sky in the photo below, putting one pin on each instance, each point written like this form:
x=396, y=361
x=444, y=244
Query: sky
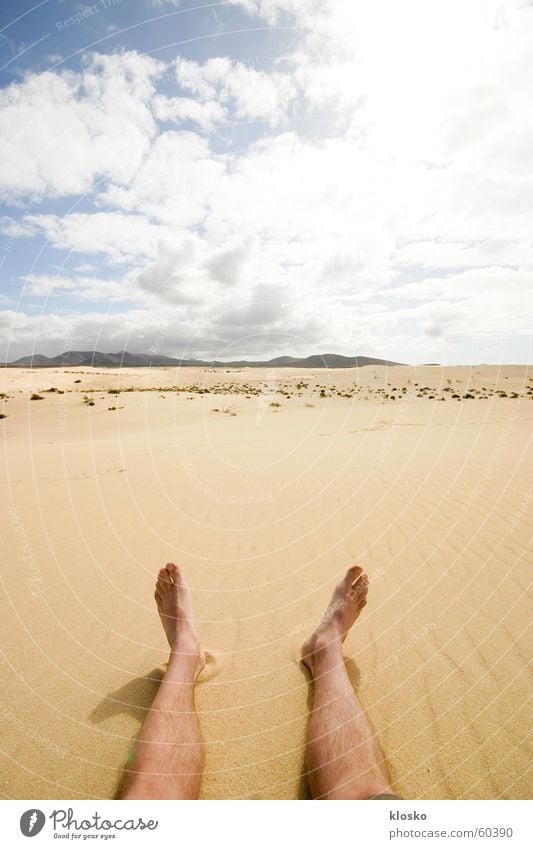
x=253, y=178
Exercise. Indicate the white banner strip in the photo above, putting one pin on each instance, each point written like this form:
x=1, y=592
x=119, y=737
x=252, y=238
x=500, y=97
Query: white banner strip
x=258, y=824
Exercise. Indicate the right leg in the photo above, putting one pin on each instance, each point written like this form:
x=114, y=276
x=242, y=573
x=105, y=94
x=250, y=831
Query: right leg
x=344, y=760
x=169, y=754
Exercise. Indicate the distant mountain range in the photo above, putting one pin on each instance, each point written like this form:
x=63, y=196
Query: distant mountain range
x=123, y=358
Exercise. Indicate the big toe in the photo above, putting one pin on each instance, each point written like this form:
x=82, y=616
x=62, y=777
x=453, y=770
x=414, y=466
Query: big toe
x=359, y=590
x=352, y=575
x=173, y=573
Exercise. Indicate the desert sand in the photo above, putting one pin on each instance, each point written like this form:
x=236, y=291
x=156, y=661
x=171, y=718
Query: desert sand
x=265, y=486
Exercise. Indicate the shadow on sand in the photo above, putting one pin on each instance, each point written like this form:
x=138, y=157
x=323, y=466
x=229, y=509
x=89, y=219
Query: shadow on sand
x=135, y=699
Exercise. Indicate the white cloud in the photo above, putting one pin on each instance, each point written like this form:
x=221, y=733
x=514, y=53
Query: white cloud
x=174, y=183
x=16, y=228
x=302, y=10
x=175, y=276
x=85, y=268
x=179, y=110
x=192, y=272
x=481, y=254
x=62, y=131
x=122, y=238
x=158, y=4
x=249, y=93
x=79, y=288
x=477, y=304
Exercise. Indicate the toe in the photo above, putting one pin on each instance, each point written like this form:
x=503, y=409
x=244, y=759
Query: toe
x=353, y=574
x=362, y=584
x=359, y=589
x=173, y=572
x=362, y=591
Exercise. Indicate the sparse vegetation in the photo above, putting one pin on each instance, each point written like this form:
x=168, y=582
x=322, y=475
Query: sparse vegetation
x=307, y=389
x=35, y=397
x=228, y=410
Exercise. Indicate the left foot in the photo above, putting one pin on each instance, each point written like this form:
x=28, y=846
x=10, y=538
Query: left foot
x=347, y=602
x=175, y=610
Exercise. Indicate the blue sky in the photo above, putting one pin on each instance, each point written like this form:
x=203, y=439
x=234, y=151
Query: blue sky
x=261, y=177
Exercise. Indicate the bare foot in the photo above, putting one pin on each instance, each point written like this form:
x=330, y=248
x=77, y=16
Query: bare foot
x=348, y=599
x=175, y=610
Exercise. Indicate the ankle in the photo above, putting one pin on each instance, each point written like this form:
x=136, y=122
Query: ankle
x=186, y=655
x=327, y=643
x=322, y=652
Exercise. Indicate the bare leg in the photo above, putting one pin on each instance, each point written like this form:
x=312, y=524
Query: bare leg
x=344, y=760
x=169, y=755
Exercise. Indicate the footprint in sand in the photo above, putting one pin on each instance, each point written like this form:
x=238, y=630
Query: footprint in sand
x=211, y=669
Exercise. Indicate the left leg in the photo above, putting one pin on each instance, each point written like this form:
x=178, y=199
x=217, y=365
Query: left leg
x=169, y=755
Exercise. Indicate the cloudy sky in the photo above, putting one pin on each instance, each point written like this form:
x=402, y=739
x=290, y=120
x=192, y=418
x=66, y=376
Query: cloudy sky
x=263, y=177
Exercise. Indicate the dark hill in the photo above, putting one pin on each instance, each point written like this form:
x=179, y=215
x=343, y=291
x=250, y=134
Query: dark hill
x=124, y=358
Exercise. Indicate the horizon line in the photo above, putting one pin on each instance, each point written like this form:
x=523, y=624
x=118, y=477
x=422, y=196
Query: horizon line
x=182, y=361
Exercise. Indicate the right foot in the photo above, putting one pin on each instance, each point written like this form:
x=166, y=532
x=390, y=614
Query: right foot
x=175, y=610
x=347, y=602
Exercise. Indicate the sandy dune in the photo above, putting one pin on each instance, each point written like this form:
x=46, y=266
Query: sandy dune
x=265, y=502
